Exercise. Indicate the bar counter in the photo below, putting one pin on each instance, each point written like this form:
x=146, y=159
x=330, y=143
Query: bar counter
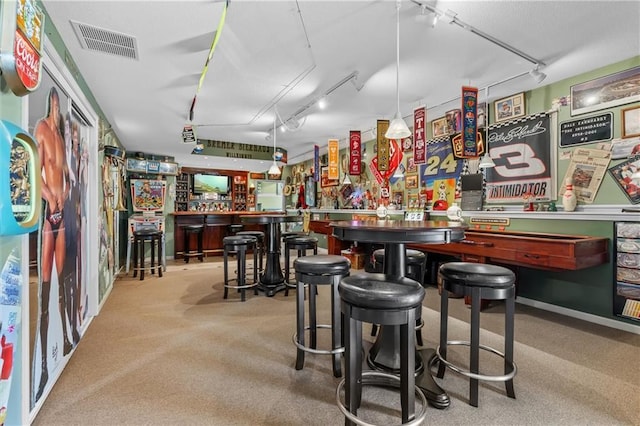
x=216, y=227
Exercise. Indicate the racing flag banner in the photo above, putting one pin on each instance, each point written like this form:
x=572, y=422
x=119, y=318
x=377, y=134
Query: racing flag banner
x=521, y=150
x=382, y=145
x=419, y=135
x=355, y=152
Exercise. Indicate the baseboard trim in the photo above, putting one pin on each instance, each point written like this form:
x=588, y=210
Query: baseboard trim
x=607, y=322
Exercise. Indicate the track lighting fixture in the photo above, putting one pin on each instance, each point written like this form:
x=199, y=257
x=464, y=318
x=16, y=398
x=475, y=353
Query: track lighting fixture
x=537, y=75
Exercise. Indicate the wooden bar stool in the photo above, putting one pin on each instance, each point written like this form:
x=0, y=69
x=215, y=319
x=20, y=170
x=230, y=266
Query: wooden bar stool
x=301, y=244
x=313, y=271
x=154, y=238
x=260, y=245
x=239, y=245
x=389, y=301
x=478, y=281
x=188, y=230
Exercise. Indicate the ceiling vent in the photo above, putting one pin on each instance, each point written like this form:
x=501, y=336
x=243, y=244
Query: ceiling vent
x=105, y=41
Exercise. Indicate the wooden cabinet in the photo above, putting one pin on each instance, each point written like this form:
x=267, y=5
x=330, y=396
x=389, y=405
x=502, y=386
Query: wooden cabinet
x=240, y=193
x=182, y=192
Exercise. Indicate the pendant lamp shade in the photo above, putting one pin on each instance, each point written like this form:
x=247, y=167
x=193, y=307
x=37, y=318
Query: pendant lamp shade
x=274, y=169
x=398, y=129
x=486, y=162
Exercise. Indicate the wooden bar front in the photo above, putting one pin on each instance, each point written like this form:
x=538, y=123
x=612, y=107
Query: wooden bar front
x=216, y=227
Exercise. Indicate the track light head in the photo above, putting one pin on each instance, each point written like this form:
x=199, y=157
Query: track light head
x=537, y=75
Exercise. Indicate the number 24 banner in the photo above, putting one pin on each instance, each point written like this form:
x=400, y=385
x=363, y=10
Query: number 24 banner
x=521, y=151
x=440, y=175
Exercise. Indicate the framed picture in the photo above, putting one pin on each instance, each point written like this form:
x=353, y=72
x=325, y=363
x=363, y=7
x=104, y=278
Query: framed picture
x=482, y=114
x=631, y=122
x=606, y=92
x=509, y=107
x=454, y=120
x=324, y=178
x=412, y=167
x=411, y=182
x=439, y=127
x=397, y=197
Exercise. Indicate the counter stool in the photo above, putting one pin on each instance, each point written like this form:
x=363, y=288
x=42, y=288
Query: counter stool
x=301, y=244
x=154, y=238
x=385, y=300
x=234, y=228
x=416, y=262
x=478, y=281
x=313, y=271
x=260, y=246
x=188, y=230
x=239, y=245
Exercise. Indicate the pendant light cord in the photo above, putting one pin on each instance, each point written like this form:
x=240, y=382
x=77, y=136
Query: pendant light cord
x=398, y=53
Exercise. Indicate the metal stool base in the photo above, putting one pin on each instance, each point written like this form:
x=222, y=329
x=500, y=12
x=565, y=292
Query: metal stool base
x=478, y=376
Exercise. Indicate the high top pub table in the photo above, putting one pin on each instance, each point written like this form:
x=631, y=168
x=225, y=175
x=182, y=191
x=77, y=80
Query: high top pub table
x=394, y=234
x=272, y=280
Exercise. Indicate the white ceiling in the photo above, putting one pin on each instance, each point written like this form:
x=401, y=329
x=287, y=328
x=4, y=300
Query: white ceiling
x=289, y=53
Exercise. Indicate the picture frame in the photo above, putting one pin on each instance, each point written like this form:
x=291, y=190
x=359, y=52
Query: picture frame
x=411, y=182
x=454, y=120
x=510, y=107
x=398, y=197
x=630, y=122
x=606, y=92
x=482, y=114
x=412, y=167
x=324, y=178
x=439, y=127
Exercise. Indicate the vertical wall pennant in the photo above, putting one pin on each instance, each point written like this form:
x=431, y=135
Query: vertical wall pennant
x=419, y=135
x=469, y=121
x=355, y=152
x=382, y=145
x=316, y=163
x=333, y=159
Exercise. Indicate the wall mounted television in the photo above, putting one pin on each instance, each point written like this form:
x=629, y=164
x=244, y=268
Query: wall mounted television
x=210, y=183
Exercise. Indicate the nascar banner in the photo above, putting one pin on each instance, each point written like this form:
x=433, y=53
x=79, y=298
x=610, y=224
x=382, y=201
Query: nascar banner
x=419, y=135
x=521, y=150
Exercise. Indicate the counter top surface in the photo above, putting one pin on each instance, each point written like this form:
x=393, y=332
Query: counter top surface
x=232, y=213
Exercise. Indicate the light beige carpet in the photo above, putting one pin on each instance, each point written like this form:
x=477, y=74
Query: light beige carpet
x=171, y=351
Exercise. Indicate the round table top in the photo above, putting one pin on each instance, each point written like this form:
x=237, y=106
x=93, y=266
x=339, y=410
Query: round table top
x=270, y=218
x=399, y=231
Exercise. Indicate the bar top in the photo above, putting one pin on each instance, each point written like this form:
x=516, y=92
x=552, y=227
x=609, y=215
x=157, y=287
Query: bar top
x=231, y=213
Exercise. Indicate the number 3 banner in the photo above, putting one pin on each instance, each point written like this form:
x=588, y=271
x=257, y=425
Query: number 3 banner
x=525, y=162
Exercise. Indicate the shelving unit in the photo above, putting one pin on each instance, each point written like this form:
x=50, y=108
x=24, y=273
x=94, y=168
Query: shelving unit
x=240, y=193
x=182, y=192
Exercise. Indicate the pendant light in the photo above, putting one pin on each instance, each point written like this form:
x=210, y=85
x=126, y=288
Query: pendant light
x=398, y=129
x=274, y=169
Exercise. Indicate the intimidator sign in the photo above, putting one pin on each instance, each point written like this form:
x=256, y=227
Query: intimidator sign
x=238, y=150
x=21, y=25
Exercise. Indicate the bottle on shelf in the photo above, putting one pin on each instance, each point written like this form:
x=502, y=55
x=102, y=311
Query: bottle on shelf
x=569, y=199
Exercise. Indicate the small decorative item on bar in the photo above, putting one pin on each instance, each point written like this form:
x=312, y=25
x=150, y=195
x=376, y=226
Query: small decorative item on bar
x=569, y=200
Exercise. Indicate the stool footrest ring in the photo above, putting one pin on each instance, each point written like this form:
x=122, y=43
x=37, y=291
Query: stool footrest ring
x=383, y=379
x=316, y=351
x=240, y=286
x=467, y=373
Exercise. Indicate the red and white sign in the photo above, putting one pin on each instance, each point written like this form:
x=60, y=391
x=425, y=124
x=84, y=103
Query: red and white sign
x=355, y=152
x=395, y=154
x=419, y=135
x=27, y=61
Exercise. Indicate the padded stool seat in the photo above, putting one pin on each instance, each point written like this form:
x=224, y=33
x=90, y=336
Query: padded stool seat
x=389, y=301
x=234, y=228
x=260, y=246
x=238, y=245
x=188, y=230
x=154, y=238
x=313, y=271
x=478, y=281
x=301, y=244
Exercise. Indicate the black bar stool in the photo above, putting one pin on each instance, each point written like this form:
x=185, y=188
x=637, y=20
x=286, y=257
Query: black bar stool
x=239, y=245
x=188, y=230
x=389, y=301
x=234, y=228
x=478, y=281
x=313, y=271
x=154, y=238
x=260, y=245
x=416, y=262
x=301, y=244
